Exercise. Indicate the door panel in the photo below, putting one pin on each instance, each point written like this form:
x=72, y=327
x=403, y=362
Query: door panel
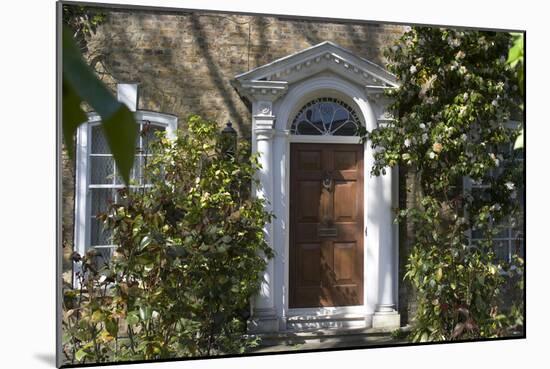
x=308, y=207
x=326, y=225
x=345, y=206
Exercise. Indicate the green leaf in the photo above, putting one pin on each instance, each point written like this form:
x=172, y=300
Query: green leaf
x=519, y=141
x=145, y=241
x=97, y=316
x=515, y=54
x=80, y=354
x=132, y=318
x=111, y=326
x=81, y=84
x=145, y=312
x=439, y=274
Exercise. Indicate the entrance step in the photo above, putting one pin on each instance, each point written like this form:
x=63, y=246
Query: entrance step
x=315, y=322
x=324, y=338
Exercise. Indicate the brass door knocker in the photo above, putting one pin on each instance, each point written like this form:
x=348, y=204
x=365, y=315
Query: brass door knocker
x=327, y=181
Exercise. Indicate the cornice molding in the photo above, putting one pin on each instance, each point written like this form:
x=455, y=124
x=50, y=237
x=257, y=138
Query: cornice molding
x=315, y=59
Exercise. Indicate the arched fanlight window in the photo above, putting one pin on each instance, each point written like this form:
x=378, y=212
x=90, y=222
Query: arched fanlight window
x=326, y=116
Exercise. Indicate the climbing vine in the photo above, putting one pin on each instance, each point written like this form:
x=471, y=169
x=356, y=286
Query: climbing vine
x=456, y=95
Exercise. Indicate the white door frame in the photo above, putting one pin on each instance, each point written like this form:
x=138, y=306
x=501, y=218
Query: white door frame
x=379, y=242
x=277, y=91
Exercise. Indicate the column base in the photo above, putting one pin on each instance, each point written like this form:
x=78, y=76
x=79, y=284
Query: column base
x=386, y=318
x=263, y=321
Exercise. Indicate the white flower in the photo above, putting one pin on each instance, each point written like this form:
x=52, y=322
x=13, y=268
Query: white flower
x=465, y=96
x=424, y=137
x=422, y=126
x=510, y=186
x=496, y=207
x=462, y=70
x=413, y=69
x=407, y=142
x=453, y=42
x=494, y=102
x=464, y=137
x=431, y=155
x=460, y=55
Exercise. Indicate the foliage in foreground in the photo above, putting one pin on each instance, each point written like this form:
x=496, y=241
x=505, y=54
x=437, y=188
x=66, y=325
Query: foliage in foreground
x=189, y=258
x=456, y=93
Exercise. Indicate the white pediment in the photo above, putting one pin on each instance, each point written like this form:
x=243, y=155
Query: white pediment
x=325, y=57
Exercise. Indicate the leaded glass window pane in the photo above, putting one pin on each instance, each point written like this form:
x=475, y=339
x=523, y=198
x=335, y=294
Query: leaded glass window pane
x=326, y=117
x=100, y=199
x=105, y=179
x=102, y=169
x=501, y=248
x=99, y=142
x=98, y=234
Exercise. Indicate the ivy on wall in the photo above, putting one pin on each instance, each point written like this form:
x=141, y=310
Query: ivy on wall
x=456, y=94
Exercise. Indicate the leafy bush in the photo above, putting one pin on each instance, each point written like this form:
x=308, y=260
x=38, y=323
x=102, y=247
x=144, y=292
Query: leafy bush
x=456, y=93
x=190, y=254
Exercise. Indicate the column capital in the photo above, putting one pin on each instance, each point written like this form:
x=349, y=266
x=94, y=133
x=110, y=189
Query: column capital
x=261, y=90
x=263, y=119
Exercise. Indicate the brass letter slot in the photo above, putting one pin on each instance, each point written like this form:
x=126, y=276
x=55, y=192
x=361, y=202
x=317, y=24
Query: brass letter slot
x=327, y=232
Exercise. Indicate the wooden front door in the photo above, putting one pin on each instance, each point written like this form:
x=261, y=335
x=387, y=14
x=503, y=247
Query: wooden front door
x=326, y=225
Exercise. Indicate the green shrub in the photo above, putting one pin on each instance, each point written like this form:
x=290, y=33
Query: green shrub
x=190, y=254
x=456, y=93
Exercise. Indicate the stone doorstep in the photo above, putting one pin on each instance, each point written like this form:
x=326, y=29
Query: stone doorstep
x=303, y=323
x=319, y=333
x=292, y=340
x=385, y=322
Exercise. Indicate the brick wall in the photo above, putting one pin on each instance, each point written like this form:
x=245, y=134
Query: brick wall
x=184, y=62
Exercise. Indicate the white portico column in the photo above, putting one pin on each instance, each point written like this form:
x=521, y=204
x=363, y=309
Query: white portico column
x=262, y=94
x=385, y=315
x=264, y=314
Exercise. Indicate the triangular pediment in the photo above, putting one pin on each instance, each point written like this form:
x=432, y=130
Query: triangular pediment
x=325, y=57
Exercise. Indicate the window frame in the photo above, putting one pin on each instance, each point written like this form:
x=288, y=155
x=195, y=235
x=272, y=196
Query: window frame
x=352, y=113
x=468, y=184
x=82, y=194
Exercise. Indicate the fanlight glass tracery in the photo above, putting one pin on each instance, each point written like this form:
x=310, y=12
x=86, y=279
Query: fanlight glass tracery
x=327, y=117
